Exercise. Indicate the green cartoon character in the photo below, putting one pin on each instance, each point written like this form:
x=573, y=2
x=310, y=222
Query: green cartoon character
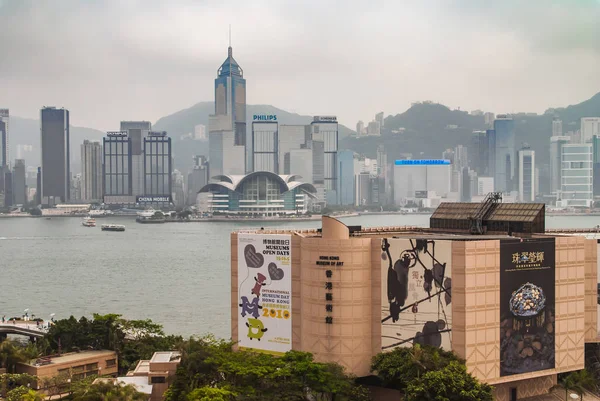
x=256, y=329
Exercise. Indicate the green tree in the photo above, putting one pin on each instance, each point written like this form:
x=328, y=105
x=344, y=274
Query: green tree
x=107, y=391
x=10, y=381
x=209, y=363
x=11, y=353
x=210, y=394
x=577, y=382
x=452, y=383
x=32, y=395
x=401, y=366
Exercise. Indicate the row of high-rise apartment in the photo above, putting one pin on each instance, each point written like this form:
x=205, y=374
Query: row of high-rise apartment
x=373, y=128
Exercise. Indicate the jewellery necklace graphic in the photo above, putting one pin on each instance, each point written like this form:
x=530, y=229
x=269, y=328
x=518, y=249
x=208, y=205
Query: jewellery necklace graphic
x=397, y=288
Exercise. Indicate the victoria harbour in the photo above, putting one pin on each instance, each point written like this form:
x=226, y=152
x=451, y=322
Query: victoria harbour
x=176, y=274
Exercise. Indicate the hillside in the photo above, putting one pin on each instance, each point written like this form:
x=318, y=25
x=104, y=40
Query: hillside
x=427, y=133
x=26, y=131
x=183, y=122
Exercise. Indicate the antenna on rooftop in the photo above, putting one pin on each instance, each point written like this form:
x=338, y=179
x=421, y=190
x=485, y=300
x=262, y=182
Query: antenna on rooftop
x=229, y=35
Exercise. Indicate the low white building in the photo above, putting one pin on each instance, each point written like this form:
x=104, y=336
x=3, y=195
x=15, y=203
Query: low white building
x=414, y=176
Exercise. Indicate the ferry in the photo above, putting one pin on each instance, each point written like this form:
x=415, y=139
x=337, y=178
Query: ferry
x=100, y=213
x=146, y=213
x=88, y=222
x=112, y=227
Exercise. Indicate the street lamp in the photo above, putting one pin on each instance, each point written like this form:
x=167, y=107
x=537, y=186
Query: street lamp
x=69, y=381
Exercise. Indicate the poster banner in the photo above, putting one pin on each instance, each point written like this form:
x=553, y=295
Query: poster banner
x=598, y=287
x=416, y=293
x=265, y=292
x=527, y=305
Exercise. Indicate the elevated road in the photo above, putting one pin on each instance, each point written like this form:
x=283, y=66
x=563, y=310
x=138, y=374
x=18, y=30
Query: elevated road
x=29, y=329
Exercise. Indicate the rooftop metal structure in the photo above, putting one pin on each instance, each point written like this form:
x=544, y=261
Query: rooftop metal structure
x=490, y=217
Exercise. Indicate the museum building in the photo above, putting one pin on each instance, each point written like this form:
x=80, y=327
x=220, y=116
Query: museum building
x=487, y=281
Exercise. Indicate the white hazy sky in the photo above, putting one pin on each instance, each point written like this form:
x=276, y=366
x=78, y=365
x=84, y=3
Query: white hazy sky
x=109, y=60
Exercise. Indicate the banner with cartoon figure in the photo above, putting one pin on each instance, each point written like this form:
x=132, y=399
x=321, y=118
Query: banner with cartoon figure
x=265, y=292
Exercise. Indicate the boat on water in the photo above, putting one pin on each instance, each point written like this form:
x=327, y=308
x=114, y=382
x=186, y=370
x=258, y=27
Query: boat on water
x=100, y=213
x=112, y=227
x=88, y=222
x=150, y=216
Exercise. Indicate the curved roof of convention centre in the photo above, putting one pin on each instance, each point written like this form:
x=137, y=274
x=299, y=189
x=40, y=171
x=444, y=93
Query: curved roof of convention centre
x=235, y=182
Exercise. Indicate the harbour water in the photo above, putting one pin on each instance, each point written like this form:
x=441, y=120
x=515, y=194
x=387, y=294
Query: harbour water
x=175, y=274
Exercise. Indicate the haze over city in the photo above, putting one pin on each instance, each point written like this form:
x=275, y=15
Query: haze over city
x=112, y=60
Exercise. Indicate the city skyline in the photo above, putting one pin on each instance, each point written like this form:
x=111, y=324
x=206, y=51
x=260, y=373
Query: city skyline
x=180, y=62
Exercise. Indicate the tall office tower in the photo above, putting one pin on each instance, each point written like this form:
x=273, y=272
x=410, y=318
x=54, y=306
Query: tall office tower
x=556, y=144
x=325, y=128
x=227, y=127
x=488, y=119
x=265, y=143
x=576, y=176
x=557, y=128
x=346, y=177
x=76, y=187
x=117, y=185
x=461, y=158
x=157, y=169
x=8, y=188
x=38, y=187
x=363, y=189
x=479, y=152
x=197, y=178
x=527, y=175
x=505, y=153
x=56, y=169
x=4, y=139
x=230, y=96
x=360, y=128
x=91, y=171
x=136, y=131
x=178, y=188
x=379, y=118
x=596, y=163
x=19, y=183
x=381, y=161
x=590, y=126
x=292, y=137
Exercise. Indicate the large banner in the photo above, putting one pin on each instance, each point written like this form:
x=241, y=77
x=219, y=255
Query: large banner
x=416, y=293
x=527, y=305
x=265, y=292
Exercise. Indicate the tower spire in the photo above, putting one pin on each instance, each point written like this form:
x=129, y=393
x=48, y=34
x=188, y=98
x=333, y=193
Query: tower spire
x=229, y=50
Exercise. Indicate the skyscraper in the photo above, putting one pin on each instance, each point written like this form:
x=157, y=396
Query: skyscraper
x=346, y=177
x=360, y=128
x=379, y=118
x=576, y=176
x=91, y=171
x=157, y=169
x=230, y=96
x=590, y=126
x=556, y=144
x=227, y=127
x=265, y=143
x=4, y=139
x=557, y=128
x=117, y=187
x=505, y=153
x=292, y=137
x=526, y=175
x=136, y=131
x=197, y=178
x=19, y=183
x=56, y=170
x=325, y=128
